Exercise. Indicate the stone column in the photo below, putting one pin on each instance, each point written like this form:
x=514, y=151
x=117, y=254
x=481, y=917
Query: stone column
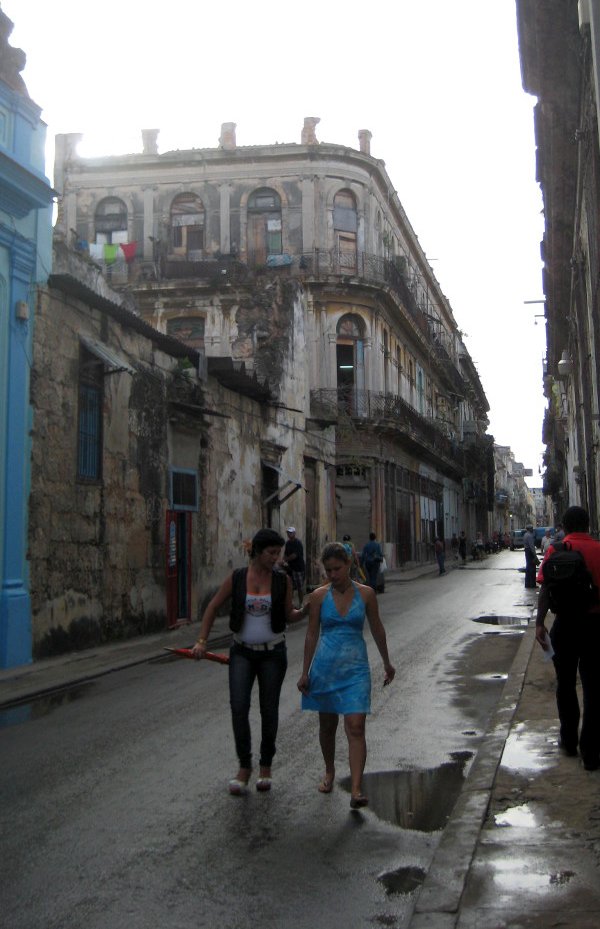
x=149, y=231
x=225, y=219
x=308, y=214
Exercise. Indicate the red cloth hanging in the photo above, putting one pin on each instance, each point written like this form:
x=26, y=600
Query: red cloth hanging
x=129, y=249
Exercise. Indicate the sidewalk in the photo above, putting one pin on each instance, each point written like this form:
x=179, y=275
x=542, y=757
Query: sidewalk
x=522, y=847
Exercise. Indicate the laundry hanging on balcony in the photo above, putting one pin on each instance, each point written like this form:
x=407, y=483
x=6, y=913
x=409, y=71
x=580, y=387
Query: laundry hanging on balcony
x=109, y=253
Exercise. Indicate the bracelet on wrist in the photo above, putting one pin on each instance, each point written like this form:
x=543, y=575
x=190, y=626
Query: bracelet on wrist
x=201, y=642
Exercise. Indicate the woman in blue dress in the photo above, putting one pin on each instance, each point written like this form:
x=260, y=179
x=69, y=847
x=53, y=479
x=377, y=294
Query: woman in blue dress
x=336, y=679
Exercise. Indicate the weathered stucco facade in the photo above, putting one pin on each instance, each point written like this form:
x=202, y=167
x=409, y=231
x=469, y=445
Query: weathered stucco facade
x=213, y=240
x=559, y=44
x=144, y=540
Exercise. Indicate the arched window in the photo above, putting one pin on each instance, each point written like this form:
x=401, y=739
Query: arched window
x=264, y=226
x=110, y=221
x=345, y=227
x=187, y=226
x=350, y=360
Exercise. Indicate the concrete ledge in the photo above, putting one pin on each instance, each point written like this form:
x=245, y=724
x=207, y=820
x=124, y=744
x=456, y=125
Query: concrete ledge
x=438, y=903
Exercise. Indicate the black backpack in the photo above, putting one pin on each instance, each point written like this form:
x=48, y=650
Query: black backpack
x=568, y=582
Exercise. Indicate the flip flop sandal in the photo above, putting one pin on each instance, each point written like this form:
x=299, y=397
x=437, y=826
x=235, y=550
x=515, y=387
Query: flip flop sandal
x=263, y=784
x=326, y=785
x=238, y=788
x=359, y=801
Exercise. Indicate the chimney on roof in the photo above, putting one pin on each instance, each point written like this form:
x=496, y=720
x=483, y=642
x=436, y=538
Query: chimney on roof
x=227, y=138
x=309, y=136
x=149, y=141
x=364, y=141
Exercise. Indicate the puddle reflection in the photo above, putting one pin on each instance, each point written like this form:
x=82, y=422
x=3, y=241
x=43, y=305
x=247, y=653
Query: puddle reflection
x=517, y=816
x=418, y=800
x=525, y=752
x=34, y=709
x=492, y=619
x=516, y=874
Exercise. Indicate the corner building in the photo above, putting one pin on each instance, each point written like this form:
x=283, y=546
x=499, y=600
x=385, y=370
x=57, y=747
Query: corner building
x=210, y=241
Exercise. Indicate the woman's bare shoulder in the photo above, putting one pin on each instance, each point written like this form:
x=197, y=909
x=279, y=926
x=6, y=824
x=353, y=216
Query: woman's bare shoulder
x=366, y=592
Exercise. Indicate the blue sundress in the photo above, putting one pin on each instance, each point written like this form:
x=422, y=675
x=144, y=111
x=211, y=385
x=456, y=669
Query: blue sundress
x=339, y=676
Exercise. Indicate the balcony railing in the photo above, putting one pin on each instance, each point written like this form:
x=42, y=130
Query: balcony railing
x=317, y=264
x=387, y=411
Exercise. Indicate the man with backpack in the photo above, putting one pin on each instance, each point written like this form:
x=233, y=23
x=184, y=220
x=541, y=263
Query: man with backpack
x=570, y=579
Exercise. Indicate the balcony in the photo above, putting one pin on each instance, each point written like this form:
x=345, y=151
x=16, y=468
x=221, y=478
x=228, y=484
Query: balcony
x=317, y=265
x=388, y=413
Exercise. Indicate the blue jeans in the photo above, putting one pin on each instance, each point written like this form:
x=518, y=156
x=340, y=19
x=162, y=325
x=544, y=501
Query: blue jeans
x=245, y=665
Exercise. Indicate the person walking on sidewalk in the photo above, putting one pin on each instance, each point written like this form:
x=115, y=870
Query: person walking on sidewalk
x=261, y=605
x=371, y=558
x=293, y=560
x=335, y=677
x=462, y=547
x=575, y=638
x=531, y=558
x=440, y=554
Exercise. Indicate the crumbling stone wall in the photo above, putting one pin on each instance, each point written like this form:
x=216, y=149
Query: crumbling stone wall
x=95, y=554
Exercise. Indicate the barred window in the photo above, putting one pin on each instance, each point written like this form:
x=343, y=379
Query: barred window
x=89, y=433
x=183, y=490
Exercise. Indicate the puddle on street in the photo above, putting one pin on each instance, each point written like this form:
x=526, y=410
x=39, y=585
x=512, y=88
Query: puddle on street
x=35, y=709
x=524, y=751
x=520, y=816
x=492, y=619
x=418, y=800
x=402, y=881
x=499, y=632
x=491, y=677
x=513, y=875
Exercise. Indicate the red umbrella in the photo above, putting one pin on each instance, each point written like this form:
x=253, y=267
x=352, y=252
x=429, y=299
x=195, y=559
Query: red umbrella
x=210, y=656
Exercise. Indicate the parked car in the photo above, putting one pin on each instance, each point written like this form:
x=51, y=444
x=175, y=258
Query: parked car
x=540, y=532
x=516, y=539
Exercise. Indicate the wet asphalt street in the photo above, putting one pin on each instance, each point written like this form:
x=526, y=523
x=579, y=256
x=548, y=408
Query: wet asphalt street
x=115, y=810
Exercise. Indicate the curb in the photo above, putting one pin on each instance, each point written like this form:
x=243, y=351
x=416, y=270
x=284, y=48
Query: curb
x=438, y=903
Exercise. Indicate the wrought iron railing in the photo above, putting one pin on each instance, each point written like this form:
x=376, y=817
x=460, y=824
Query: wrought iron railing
x=333, y=404
x=317, y=264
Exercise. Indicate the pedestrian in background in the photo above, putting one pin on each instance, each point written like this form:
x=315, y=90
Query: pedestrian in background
x=356, y=572
x=559, y=533
x=546, y=541
x=575, y=638
x=336, y=679
x=454, y=546
x=531, y=558
x=440, y=554
x=261, y=605
x=462, y=547
x=371, y=558
x=293, y=560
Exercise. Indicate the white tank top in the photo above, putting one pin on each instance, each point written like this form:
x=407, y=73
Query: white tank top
x=256, y=628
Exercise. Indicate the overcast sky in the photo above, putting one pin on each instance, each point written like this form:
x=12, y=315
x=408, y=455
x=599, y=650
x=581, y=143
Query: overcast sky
x=437, y=83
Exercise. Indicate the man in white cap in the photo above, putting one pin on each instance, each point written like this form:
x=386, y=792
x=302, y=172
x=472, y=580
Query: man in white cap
x=293, y=560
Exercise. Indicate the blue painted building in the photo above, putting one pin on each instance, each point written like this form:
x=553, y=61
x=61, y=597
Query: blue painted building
x=25, y=257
